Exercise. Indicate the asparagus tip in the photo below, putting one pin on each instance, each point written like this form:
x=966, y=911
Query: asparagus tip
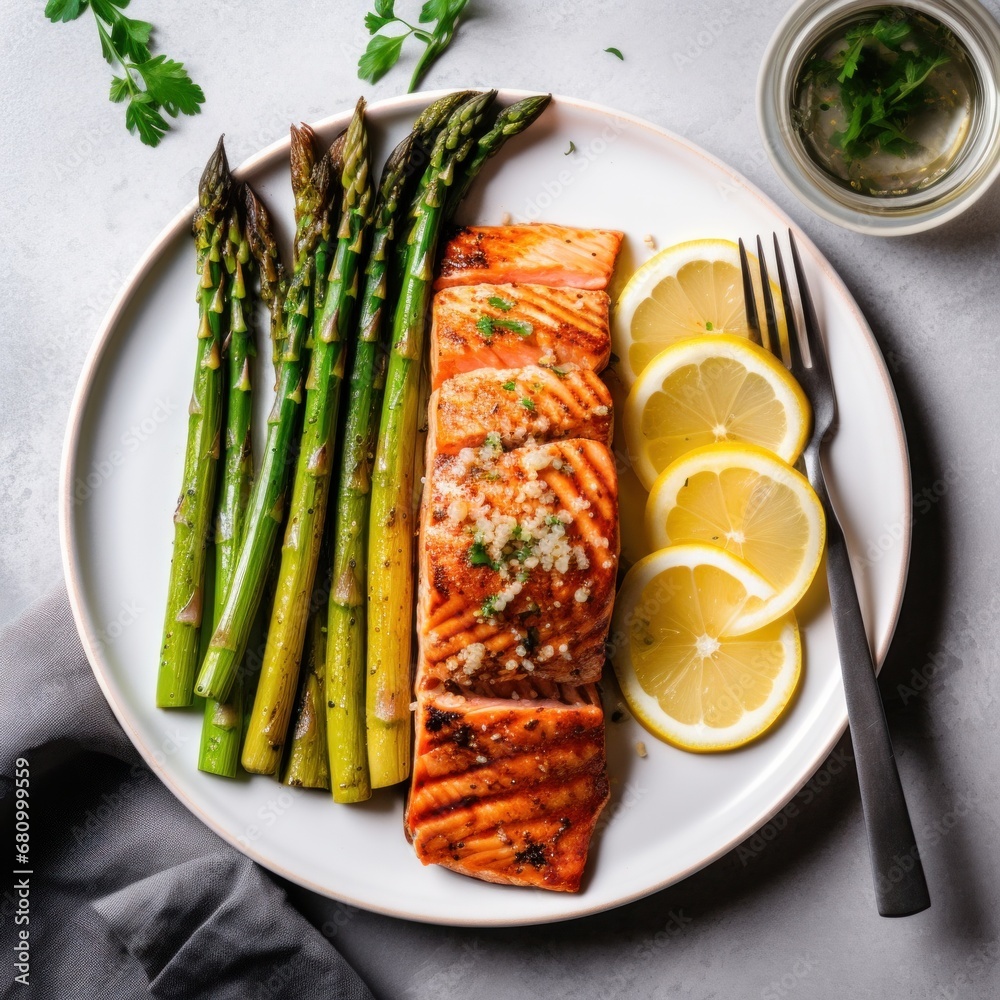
x=303, y=156
x=214, y=187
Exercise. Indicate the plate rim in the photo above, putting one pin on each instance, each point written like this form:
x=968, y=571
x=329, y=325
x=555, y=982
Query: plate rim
x=99, y=351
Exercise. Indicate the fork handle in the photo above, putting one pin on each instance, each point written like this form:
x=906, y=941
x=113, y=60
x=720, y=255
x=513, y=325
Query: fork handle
x=900, y=887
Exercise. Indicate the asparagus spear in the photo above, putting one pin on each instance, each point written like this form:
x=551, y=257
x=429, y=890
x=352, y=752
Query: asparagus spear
x=266, y=512
x=390, y=569
x=327, y=241
x=345, y=651
x=300, y=552
x=222, y=726
x=511, y=121
x=426, y=129
x=270, y=272
x=192, y=519
x=308, y=765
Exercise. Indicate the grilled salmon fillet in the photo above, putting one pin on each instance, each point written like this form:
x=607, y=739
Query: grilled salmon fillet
x=540, y=253
x=514, y=405
x=507, y=326
x=518, y=559
x=508, y=790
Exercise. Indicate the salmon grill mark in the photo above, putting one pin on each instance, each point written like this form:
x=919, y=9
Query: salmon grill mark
x=437, y=720
x=533, y=854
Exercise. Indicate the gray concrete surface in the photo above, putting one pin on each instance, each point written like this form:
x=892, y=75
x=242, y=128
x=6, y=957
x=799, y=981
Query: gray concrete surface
x=787, y=916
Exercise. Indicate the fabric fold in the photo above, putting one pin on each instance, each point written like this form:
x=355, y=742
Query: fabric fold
x=131, y=895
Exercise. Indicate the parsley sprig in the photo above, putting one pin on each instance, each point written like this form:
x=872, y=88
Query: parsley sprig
x=881, y=76
x=384, y=50
x=151, y=84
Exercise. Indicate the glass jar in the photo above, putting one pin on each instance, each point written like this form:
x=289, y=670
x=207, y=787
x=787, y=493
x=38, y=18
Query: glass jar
x=975, y=166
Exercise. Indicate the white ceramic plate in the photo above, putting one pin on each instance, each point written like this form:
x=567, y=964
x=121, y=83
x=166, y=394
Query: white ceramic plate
x=672, y=812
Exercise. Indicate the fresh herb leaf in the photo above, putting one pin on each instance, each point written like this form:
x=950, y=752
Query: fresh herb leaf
x=119, y=89
x=489, y=607
x=485, y=327
x=381, y=55
x=151, y=84
x=383, y=51
x=519, y=326
x=615, y=52
x=168, y=84
x=572, y=148
x=504, y=305
x=891, y=33
x=435, y=10
x=64, y=10
x=374, y=22
x=478, y=556
x=143, y=116
x=132, y=38
x=509, y=386
x=528, y=404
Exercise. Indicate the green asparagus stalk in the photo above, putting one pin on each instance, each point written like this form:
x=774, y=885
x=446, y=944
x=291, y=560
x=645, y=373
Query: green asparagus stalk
x=511, y=121
x=390, y=551
x=266, y=512
x=346, y=623
x=193, y=517
x=425, y=131
x=308, y=765
x=222, y=727
x=307, y=512
x=327, y=241
x=270, y=272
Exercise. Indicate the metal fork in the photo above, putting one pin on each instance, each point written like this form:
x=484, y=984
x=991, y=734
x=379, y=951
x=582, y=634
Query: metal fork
x=900, y=887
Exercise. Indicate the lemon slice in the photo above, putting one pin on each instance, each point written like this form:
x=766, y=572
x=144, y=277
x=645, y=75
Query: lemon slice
x=684, y=291
x=683, y=673
x=712, y=389
x=744, y=500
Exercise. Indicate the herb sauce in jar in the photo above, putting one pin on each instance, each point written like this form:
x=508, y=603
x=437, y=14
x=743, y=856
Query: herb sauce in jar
x=884, y=102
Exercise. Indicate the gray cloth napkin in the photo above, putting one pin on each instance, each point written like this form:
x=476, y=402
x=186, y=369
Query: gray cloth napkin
x=130, y=896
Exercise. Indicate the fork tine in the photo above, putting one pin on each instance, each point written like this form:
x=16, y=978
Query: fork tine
x=773, y=340
x=749, y=299
x=814, y=338
x=795, y=362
